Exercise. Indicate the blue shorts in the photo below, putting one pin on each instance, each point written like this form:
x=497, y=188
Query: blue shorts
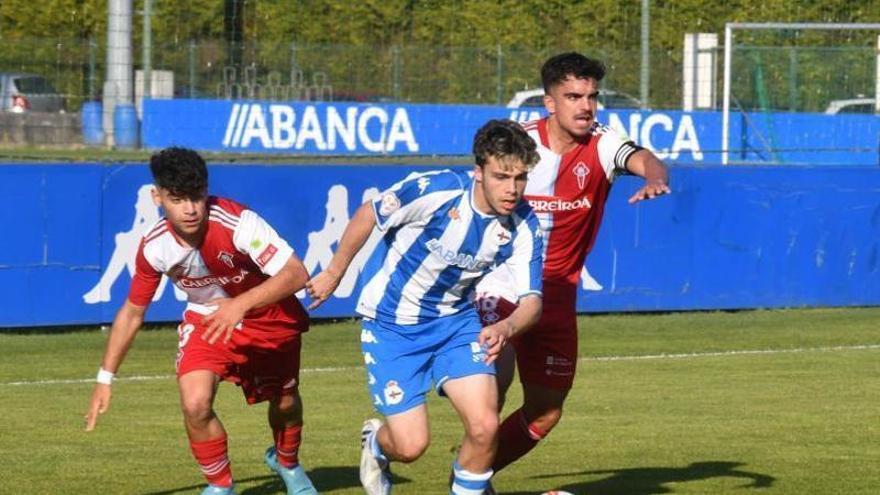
x=404, y=360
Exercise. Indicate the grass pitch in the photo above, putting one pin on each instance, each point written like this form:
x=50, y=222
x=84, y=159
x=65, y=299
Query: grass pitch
x=769, y=402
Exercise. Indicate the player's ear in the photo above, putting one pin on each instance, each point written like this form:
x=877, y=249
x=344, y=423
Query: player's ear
x=549, y=103
x=157, y=199
x=478, y=173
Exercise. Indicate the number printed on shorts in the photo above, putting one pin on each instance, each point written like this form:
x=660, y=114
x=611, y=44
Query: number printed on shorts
x=183, y=332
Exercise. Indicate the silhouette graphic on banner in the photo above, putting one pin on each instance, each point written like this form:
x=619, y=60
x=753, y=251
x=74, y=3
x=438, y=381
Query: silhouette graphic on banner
x=125, y=251
x=322, y=242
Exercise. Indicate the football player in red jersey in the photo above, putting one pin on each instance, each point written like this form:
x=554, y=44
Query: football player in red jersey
x=567, y=190
x=242, y=322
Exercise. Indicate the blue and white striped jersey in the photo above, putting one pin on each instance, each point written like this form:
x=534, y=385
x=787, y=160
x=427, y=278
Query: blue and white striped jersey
x=437, y=245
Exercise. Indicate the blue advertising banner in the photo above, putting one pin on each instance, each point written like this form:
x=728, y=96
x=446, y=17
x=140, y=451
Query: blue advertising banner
x=417, y=129
x=727, y=237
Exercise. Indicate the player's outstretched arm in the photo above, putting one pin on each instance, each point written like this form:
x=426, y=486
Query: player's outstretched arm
x=494, y=337
x=125, y=326
x=321, y=286
x=230, y=311
x=645, y=164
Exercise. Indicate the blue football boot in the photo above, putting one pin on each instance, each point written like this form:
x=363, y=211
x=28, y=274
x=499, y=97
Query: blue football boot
x=296, y=480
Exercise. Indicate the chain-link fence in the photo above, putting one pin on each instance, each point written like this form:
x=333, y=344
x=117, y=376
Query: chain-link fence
x=776, y=78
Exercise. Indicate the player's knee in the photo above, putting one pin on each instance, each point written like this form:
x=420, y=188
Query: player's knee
x=482, y=429
x=411, y=447
x=546, y=420
x=196, y=409
x=287, y=404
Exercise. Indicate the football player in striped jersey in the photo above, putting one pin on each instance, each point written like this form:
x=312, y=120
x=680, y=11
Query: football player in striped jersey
x=443, y=231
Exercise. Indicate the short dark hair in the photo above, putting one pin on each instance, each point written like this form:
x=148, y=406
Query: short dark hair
x=504, y=139
x=571, y=64
x=180, y=171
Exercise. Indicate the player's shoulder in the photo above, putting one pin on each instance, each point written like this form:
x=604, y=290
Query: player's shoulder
x=225, y=212
x=599, y=130
x=530, y=125
x=438, y=181
x=524, y=213
x=155, y=231
x=226, y=205
x=532, y=128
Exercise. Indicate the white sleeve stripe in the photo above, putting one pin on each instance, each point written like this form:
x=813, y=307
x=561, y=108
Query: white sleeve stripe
x=222, y=221
x=219, y=211
x=155, y=234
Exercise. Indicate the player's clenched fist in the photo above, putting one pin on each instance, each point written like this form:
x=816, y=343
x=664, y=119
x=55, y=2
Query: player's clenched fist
x=99, y=404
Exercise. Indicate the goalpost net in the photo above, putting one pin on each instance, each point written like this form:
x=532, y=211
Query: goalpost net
x=771, y=68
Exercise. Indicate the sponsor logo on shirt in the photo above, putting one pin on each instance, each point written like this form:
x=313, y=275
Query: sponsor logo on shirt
x=267, y=255
x=545, y=204
x=450, y=257
x=196, y=283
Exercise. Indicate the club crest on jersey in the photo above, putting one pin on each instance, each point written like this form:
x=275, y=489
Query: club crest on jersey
x=390, y=203
x=581, y=171
x=226, y=258
x=454, y=214
x=393, y=393
x=502, y=234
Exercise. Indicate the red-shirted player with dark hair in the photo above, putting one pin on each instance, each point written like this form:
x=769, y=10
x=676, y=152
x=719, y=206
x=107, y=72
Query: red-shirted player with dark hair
x=567, y=190
x=242, y=322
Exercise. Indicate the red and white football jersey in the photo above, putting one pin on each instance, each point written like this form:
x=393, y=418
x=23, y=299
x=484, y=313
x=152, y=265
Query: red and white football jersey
x=240, y=250
x=568, y=193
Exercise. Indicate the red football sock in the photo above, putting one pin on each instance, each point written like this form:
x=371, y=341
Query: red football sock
x=516, y=437
x=213, y=460
x=287, y=442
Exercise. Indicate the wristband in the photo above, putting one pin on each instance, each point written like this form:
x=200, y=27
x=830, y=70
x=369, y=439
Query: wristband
x=104, y=376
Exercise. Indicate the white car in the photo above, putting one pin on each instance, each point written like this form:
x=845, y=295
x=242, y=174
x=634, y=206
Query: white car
x=853, y=105
x=607, y=99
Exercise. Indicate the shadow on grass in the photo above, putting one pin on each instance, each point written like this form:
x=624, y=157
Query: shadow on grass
x=651, y=480
x=325, y=479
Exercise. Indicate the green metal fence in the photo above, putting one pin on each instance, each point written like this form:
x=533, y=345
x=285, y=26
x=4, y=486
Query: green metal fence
x=764, y=77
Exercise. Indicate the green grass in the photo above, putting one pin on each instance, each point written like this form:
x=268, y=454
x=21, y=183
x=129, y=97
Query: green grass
x=796, y=412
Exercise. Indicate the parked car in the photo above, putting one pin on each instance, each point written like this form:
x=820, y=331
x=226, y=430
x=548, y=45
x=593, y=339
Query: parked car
x=852, y=105
x=607, y=99
x=21, y=92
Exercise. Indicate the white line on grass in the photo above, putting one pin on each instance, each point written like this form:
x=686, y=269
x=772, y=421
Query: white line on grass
x=689, y=355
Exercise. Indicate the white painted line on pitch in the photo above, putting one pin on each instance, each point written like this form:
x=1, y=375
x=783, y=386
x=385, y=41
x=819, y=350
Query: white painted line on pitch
x=690, y=355
x=734, y=353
